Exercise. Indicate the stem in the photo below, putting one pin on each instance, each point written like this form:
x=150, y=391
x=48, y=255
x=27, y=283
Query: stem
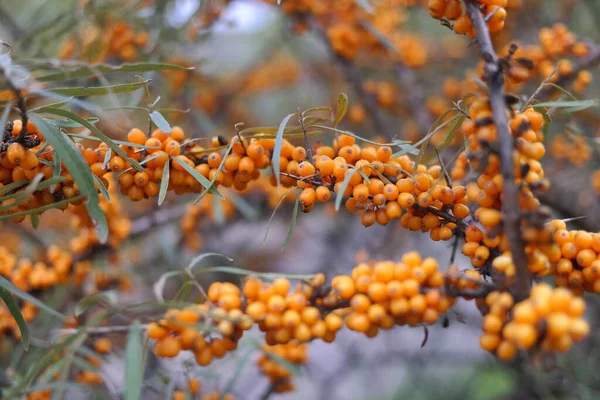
x=510, y=206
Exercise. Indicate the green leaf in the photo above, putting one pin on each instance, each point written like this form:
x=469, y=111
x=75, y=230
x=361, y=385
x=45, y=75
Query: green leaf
x=342, y=108
x=579, y=104
x=245, y=272
x=164, y=182
x=134, y=363
x=102, y=188
x=194, y=262
x=275, y=210
x=78, y=168
x=96, y=132
x=41, y=209
x=12, y=186
x=160, y=121
x=98, y=90
x=108, y=297
x=410, y=149
x=277, y=147
x=561, y=90
x=35, y=220
x=354, y=135
x=97, y=70
x=20, y=197
x=292, y=225
x=15, y=311
x=426, y=142
x=8, y=285
x=212, y=181
x=72, y=124
x=200, y=178
x=340, y=193
x=451, y=133
x=159, y=286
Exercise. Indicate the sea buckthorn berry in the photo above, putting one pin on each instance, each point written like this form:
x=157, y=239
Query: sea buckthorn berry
x=323, y=194
x=15, y=153
x=136, y=136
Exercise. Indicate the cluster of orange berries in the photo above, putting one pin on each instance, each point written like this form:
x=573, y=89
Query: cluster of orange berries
x=98, y=44
x=376, y=296
x=280, y=376
x=576, y=258
x=549, y=320
x=574, y=149
x=556, y=45
x=481, y=156
x=385, y=294
x=452, y=10
x=194, y=387
x=119, y=225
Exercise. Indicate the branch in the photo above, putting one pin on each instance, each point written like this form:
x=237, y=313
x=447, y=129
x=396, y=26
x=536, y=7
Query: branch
x=510, y=206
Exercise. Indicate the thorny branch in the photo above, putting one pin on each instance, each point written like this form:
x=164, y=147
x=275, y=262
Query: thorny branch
x=494, y=77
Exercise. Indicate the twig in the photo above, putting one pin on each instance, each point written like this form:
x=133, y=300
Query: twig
x=510, y=206
x=101, y=330
x=539, y=89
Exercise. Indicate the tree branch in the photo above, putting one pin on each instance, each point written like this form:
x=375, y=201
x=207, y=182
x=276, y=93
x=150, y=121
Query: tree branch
x=510, y=206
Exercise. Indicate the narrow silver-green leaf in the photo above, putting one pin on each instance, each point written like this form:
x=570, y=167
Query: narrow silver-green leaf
x=277, y=147
x=96, y=132
x=245, y=272
x=342, y=188
x=194, y=262
x=292, y=225
x=78, y=168
x=15, y=311
x=164, y=182
x=134, y=363
x=410, y=149
x=160, y=121
x=200, y=178
x=579, y=104
x=8, y=285
x=98, y=90
x=97, y=70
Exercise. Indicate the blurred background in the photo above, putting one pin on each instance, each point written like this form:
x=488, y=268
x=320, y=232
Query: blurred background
x=254, y=64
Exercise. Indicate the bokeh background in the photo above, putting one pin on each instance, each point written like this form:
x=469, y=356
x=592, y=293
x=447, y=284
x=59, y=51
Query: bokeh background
x=252, y=65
